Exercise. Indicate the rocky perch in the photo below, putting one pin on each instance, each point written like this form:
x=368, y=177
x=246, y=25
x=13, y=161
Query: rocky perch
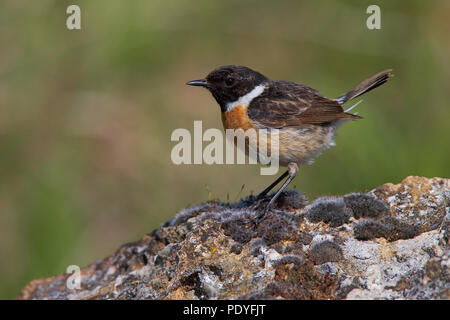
x=389, y=243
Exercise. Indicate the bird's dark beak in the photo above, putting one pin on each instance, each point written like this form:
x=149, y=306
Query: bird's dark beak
x=198, y=83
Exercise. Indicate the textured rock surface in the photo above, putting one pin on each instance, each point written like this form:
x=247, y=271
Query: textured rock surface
x=389, y=243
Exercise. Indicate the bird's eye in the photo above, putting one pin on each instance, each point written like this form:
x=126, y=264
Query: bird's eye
x=229, y=81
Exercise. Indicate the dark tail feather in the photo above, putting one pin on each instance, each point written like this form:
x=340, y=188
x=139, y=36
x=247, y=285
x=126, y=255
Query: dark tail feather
x=366, y=86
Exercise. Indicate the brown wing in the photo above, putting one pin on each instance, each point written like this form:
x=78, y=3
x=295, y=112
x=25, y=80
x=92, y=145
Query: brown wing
x=287, y=104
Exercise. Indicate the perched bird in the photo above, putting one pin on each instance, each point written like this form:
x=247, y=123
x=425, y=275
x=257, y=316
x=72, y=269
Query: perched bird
x=307, y=121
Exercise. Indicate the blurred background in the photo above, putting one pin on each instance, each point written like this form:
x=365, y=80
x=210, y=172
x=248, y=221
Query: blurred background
x=86, y=116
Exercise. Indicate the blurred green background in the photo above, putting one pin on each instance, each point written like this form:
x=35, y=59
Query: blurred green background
x=86, y=116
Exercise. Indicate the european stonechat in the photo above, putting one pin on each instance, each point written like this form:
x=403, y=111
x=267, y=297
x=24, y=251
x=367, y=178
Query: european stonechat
x=307, y=121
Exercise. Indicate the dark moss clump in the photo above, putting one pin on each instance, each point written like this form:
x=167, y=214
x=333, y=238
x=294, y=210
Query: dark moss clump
x=276, y=227
x=242, y=230
x=365, y=205
x=295, y=248
x=192, y=281
x=329, y=210
x=291, y=199
x=296, y=260
x=272, y=229
x=301, y=281
x=304, y=238
x=236, y=248
x=388, y=228
x=326, y=251
x=370, y=229
x=337, y=211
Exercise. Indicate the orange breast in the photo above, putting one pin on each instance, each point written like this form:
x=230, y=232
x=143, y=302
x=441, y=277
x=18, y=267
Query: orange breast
x=237, y=118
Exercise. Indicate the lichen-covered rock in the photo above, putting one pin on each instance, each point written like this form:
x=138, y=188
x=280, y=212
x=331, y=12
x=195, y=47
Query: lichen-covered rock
x=389, y=243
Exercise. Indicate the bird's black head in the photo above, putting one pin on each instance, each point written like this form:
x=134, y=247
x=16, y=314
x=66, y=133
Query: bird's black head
x=229, y=83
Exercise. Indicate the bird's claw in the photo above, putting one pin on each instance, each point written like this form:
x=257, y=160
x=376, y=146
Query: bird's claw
x=261, y=208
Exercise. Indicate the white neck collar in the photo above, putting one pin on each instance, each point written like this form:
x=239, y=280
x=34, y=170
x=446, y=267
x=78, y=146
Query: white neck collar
x=246, y=99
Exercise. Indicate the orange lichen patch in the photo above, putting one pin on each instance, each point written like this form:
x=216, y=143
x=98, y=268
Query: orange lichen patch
x=418, y=186
x=414, y=186
x=237, y=118
x=387, y=250
x=179, y=294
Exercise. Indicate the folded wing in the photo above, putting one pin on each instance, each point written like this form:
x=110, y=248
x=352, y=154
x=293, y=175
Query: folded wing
x=291, y=105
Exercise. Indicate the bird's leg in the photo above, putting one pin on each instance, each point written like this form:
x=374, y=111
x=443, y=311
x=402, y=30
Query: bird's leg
x=267, y=190
x=292, y=171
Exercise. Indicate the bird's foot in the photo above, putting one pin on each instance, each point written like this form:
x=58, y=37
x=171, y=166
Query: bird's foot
x=262, y=207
